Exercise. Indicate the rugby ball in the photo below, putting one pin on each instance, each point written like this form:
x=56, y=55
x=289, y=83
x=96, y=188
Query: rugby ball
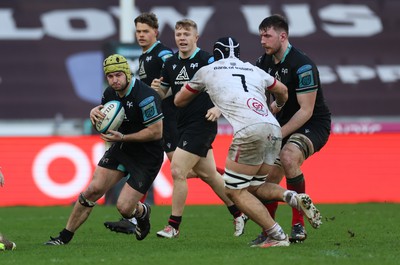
x=115, y=114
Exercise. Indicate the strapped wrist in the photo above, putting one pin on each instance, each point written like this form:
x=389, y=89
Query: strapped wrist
x=279, y=106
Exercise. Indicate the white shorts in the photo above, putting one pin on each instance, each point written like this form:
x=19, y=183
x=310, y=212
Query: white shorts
x=256, y=144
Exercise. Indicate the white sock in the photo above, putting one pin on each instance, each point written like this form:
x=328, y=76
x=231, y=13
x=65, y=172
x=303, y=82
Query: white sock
x=276, y=232
x=290, y=198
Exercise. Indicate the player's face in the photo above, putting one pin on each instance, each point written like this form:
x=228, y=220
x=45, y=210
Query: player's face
x=117, y=80
x=271, y=41
x=145, y=35
x=186, y=41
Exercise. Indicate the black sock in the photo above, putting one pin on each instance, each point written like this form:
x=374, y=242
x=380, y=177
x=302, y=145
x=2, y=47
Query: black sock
x=175, y=221
x=66, y=235
x=234, y=211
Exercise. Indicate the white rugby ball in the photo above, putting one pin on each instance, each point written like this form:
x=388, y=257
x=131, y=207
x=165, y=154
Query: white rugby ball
x=115, y=114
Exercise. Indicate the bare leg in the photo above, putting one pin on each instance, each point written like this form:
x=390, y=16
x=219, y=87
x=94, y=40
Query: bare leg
x=181, y=164
x=103, y=180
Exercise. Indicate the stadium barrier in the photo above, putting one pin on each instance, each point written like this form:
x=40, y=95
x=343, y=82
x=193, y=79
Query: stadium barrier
x=44, y=171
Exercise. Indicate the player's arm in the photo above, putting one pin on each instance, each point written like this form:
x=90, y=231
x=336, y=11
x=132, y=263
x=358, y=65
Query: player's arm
x=306, y=102
x=151, y=133
x=152, y=120
x=185, y=95
x=280, y=92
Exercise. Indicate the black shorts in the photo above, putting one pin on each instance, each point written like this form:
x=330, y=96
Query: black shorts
x=317, y=131
x=197, y=138
x=170, y=128
x=140, y=168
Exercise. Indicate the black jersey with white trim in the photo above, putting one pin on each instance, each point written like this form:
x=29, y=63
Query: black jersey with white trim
x=300, y=75
x=178, y=71
x=142, y=108
x=151, y=62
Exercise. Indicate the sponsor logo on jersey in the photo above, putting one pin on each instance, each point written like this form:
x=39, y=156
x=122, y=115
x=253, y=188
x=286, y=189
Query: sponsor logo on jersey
x=257, y=106
x=183, y=75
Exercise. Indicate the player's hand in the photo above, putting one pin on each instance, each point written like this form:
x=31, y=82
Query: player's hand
x=213, y=114
x=274, y=108
x=156, y=83
x=96, y=115
x=112, y=136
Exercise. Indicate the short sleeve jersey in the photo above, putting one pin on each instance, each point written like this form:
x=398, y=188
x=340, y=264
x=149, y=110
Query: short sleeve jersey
x=237, y=89
x=151, y=62
x=176, y=72
x=300, y=75
x=142, y=108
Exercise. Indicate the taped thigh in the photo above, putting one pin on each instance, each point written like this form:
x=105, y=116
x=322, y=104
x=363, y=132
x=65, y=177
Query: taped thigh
x=303, y=143
x=236, y=181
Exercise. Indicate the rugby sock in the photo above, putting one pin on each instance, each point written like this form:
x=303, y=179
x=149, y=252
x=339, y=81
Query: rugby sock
x=136, y=215
x=271, y=206
x=66, y=235
x=144, y=197
x=298, y=185
x=234, y=211
x=275, y=232
x=221, y=171
x=175, y=221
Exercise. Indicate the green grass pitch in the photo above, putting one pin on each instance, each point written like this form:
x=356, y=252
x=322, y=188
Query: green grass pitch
x=351, y=234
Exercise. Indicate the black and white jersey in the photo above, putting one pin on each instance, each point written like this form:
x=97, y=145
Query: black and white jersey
x=178, y=71
x=151, y=62
x=300, y=75
x=142, y=108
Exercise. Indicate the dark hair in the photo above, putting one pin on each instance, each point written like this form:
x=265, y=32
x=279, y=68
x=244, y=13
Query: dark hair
x=149, y=19
x=276, y=21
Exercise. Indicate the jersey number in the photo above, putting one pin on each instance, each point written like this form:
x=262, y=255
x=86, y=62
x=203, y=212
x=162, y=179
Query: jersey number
x=242, y=78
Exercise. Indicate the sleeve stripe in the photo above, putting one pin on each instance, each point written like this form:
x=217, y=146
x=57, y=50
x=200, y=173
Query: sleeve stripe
x=273, y=84
x=191, y=89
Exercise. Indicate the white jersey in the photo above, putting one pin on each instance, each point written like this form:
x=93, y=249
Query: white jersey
x=237, y=89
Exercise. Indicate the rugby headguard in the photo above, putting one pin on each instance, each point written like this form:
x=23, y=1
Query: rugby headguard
x=117, y=63
x=226, y=47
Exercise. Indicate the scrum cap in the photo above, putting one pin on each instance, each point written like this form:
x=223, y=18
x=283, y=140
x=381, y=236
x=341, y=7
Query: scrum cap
x=226, y=47
x=117, y=63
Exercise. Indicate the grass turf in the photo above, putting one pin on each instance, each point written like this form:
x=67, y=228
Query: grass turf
x=351, y=234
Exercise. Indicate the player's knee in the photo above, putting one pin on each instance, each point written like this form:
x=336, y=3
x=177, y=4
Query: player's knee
x=177, y=174
x=287, y=158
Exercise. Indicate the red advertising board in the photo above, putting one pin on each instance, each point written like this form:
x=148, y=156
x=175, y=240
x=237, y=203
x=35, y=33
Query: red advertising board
x=41, y=171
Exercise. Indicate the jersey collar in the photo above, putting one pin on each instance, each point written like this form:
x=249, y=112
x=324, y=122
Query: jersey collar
x=191, y=56
x=152, y=47
x=129, y=91
x=289, y=47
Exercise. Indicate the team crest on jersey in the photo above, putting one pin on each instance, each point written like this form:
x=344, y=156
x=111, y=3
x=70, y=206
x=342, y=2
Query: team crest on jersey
x=257, y=106
x=183, y=75
x=194, y=65
x=129, y=104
